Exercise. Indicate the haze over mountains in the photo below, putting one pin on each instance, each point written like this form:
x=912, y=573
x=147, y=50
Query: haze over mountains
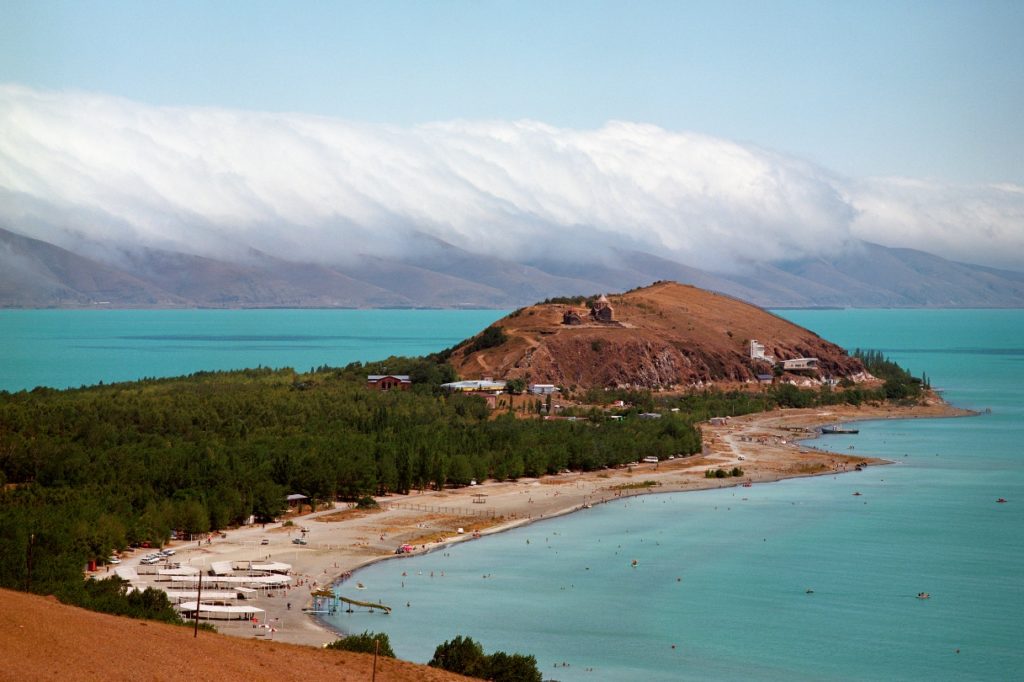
x=34, y=273
x=107, y=199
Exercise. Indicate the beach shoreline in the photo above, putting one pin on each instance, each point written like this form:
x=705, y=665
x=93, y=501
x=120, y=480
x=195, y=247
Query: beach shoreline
x=767, y=446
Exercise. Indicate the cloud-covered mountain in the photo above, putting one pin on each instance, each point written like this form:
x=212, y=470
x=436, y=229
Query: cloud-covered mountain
x=208, y=206
x=37, y=274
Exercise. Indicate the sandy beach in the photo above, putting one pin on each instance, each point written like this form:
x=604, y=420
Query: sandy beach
x=341, y=540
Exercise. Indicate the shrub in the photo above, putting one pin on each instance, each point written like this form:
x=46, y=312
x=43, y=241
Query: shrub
x=366, y=502
x=515, y=386
x=461, y=655
x=365, y=643
x=488, y=338
x=464, y=656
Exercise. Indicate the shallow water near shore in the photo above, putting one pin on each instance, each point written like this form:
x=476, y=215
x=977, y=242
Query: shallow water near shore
x=723, y=575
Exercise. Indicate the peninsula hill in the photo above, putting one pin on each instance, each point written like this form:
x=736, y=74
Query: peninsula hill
x=666, y=335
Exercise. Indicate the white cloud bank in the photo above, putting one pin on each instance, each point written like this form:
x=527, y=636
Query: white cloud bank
x=76, y=166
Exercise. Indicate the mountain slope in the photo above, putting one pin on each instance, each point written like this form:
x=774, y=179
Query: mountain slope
x=663, y=335
x=904, y=277
x=258, y=280
x=34, y=273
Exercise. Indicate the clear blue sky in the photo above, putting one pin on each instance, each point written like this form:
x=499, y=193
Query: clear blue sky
x=923, y=89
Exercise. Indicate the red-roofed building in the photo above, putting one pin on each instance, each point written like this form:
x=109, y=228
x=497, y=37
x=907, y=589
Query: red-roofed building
x=388, y=382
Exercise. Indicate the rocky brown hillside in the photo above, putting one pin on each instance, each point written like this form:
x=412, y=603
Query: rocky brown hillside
x=665, y=335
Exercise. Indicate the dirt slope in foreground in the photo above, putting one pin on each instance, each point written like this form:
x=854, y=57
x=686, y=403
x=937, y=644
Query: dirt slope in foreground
x=42, y=639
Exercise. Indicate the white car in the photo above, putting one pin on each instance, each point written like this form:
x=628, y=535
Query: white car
x=113, y=560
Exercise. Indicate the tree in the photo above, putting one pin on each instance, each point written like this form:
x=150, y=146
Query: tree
x=461, y=472
x=461, y=655
x=366, y=643
x=464, y=656
x=268, y=501
x=502, y=667
x=515, y=386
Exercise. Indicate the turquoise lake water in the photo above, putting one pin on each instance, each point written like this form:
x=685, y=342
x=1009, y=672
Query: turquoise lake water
x=723, y=574
x=71, y=348
x=721, y=577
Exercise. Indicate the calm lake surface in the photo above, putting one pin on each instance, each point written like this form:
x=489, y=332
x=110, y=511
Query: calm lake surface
x=71, y=348
x=722, y=574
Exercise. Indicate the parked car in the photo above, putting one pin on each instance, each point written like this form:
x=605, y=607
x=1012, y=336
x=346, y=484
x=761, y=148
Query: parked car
x=299, y=541
x=264, y=541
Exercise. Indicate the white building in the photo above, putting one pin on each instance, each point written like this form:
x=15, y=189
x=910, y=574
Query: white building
x=487, y=385
x=543, y=389
x=800, y=363
x=757, y=352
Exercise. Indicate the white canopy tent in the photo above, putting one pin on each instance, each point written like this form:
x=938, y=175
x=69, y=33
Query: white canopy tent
x=179, y=596
x=272, y=567
x=221, y=567
x=216, y=611
x=257, y=581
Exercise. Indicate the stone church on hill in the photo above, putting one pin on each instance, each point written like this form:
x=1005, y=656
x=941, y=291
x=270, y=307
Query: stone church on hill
x=600, y=311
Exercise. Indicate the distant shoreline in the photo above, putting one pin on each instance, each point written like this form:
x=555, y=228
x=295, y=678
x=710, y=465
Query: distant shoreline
x=769, y=307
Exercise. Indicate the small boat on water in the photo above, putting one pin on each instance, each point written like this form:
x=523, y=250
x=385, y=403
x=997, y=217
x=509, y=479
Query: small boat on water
x=1001, y=500
x=837, y=429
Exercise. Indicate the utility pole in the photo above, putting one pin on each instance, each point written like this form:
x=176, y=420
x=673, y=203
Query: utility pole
x=28, y=562
x=376, y=648
x=199, y=596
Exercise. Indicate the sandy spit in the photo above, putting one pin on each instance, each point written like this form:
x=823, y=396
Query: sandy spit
x=341, y=540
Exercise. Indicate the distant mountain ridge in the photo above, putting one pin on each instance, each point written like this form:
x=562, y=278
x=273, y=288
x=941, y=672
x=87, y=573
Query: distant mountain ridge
x=35, y=273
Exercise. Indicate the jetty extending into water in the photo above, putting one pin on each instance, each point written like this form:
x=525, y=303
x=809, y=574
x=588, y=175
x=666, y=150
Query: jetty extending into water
x=334, y=600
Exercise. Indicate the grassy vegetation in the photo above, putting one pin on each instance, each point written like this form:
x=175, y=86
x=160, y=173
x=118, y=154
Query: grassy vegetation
x=735, y=472
x=639, y=485
x=365, y=643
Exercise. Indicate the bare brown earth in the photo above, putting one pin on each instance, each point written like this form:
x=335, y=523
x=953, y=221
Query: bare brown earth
x=42, y=639
x=667, y=335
